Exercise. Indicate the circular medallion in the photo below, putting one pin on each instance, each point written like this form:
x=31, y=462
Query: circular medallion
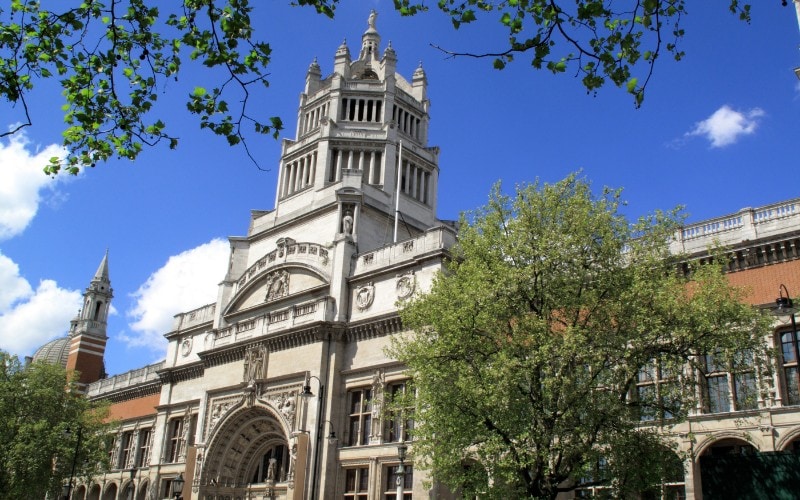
x=405, y=287
x=186, y=347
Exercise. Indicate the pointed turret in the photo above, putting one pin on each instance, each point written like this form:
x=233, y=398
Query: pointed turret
x=88, y=330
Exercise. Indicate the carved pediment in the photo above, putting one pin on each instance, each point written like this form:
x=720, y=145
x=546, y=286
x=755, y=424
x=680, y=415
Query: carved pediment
x=275, y=286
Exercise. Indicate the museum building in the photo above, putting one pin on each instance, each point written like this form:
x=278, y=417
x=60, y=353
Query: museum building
x=277, y=389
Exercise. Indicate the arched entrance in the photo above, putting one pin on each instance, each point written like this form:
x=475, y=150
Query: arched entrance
x=79, y=493
x=249, y=452
x=94, y=492
x=111, y=492
x=141, y=490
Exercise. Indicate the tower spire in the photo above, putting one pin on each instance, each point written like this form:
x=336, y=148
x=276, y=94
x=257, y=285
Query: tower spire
x=88, y=331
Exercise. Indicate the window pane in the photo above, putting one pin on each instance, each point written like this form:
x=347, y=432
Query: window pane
x=787, y=343
x=718, y=394
x=746, y=394
x=365, y=429
x=355, y=402
x=792, y=390
x=350, y=481
x=353, y=437
x=646, y=394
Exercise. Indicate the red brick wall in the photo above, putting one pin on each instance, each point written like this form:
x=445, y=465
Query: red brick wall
x=763, y=282
x=134, y=408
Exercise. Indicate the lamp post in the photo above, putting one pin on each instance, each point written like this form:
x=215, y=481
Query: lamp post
x=308, y=394
x=132, y=483
x=177, y=486
x=401, y=470
x=68, y=488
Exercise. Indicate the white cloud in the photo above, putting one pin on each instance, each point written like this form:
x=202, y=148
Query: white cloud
x=727, y=125
x=187, y=281
x=22, y=182
x=28, y=317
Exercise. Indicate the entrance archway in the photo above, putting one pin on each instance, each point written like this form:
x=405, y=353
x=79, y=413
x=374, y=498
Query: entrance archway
x=248, y=452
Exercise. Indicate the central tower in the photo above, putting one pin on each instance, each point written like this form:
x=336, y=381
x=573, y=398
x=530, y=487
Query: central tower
x=351, y=126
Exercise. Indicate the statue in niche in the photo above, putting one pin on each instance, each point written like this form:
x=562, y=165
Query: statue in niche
x=255, y=360
x=377, y=404
x=273, y=464
x=347, y=222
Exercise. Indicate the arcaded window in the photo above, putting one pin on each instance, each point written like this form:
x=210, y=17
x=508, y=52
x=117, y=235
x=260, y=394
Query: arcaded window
x=144, y=448
x=657, y=392
x=401, y=417
x=356, y=484
x=175, y=439
x=407, y=478
x=128, y=447
x=789, y=357
x=730, y=383
x=360, y=423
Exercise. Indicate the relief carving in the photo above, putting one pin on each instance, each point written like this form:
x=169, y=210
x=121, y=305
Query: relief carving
x=406, y=284
x=365, y=296
x=277, y=285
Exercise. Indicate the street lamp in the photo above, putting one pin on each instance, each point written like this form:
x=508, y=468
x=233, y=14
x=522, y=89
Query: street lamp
x=401, y=470
x=784, y=305
x=68, y=488
x=177, y=486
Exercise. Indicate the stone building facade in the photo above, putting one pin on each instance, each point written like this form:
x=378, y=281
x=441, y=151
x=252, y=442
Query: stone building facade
x=276, y=389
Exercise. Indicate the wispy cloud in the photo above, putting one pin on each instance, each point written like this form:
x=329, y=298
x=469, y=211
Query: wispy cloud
x=28, y=317
x=23, y=185
x=727, y=125
x=187, y=281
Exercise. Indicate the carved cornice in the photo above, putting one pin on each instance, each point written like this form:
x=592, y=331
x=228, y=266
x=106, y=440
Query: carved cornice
x=751, y=254
x=133, y=392
x=181, y=373
x=373, y=328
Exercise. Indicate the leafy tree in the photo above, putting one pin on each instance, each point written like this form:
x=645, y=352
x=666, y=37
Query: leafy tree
x=529, y=346
x=112, y=57
x=37, y=407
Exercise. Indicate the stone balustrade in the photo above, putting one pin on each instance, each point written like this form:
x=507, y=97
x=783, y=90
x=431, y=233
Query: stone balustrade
x=276, y=321
x=195, y=317
x=125, y=380
x=438, y=238
x=747, y=224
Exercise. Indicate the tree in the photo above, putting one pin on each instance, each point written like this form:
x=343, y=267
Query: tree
x=37, y=407
x=111, y=59
x=528, y=347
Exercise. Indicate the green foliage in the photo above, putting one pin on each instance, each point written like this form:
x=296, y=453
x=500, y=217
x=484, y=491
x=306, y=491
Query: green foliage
x=529, y=346
x=37, y=406
x=113, y=58
x=601, y=40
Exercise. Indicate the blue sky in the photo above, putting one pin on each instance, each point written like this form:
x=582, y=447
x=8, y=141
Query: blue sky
x=714, y=134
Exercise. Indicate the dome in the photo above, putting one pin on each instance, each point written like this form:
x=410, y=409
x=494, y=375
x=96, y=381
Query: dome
x=55, y=351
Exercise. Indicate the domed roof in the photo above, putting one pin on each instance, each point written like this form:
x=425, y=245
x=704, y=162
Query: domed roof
x=55, y=352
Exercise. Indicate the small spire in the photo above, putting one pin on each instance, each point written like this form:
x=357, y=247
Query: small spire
x=314, y=67
x=102, y=269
